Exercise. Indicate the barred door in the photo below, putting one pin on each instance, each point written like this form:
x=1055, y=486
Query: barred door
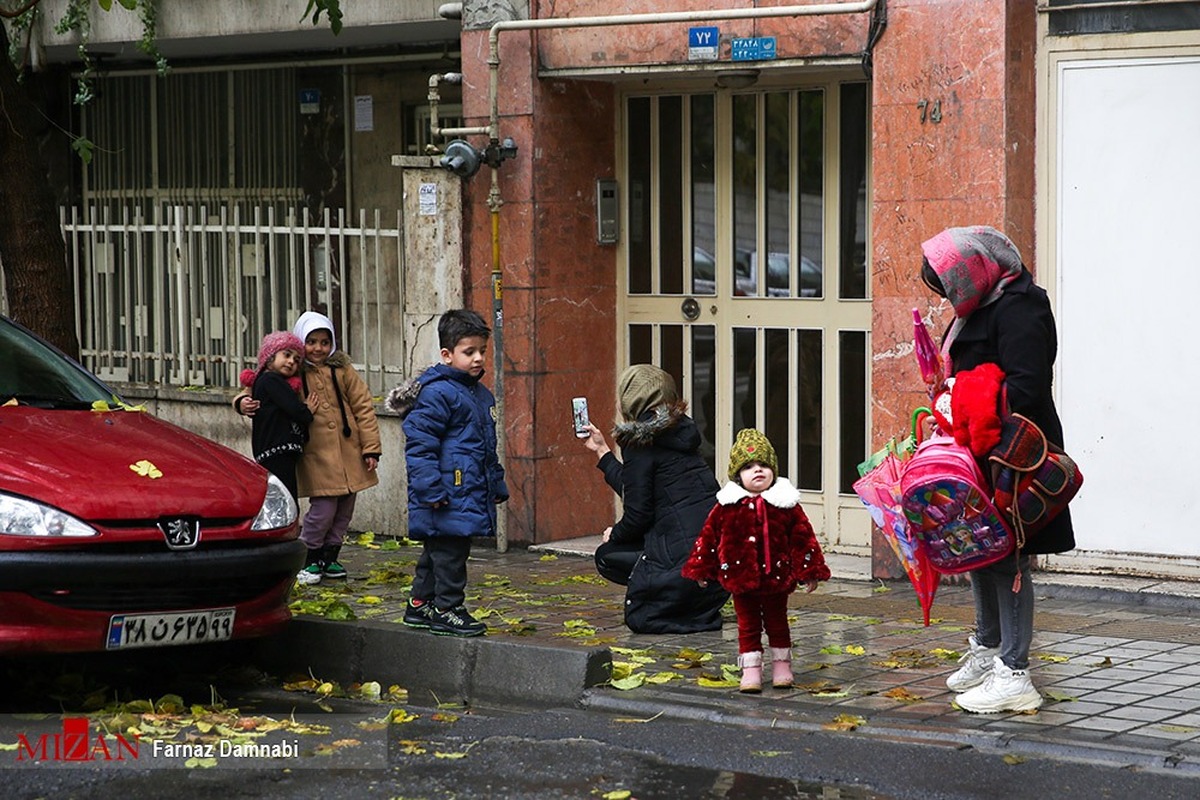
x=745, y=274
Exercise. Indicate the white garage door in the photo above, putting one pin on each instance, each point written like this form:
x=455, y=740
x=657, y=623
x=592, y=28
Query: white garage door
x=1128, y=276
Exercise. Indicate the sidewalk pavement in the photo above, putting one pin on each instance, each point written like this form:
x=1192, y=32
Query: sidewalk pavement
x=1118, y=660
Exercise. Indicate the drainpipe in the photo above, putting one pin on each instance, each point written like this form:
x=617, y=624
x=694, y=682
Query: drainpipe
x=492, y=130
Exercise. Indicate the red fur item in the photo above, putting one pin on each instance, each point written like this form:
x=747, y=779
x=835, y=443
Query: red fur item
x=975, y=405
x=729, y=549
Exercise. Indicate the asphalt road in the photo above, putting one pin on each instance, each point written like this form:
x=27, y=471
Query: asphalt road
x=439, y=754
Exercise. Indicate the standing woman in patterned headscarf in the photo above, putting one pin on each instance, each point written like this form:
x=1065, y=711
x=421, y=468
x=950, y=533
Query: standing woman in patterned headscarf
x=666, y=490
x=1001, y=317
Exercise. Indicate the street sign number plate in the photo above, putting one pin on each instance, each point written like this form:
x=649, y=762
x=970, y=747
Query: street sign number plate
x=756, y=48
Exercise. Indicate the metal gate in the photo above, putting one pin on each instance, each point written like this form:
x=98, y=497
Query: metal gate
x=745, y=274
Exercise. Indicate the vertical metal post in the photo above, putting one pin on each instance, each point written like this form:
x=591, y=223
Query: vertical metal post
x=182, y=307
x=494, y=204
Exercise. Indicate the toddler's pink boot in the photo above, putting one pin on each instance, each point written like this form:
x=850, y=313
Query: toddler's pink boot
x=751, y=664
x=781, y=667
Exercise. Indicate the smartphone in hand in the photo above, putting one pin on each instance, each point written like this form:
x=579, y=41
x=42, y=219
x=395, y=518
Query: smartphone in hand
x=580, y=415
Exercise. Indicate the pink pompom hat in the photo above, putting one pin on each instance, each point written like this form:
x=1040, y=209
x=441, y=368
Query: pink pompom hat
x=272, y=343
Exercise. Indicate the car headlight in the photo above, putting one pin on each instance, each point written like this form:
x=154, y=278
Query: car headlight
x=21, y=517
x=278, y=509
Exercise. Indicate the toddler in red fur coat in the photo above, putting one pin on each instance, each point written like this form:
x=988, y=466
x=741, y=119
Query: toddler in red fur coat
x=758, y=544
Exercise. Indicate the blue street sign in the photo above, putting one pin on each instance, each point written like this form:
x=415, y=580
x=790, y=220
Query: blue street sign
x=756, y=48
x=703, y=43
x=310, y=101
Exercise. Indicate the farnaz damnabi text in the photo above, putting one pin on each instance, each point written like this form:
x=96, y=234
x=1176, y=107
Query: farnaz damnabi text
x=226, y=749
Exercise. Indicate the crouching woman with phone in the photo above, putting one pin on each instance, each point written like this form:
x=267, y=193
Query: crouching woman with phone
x=667, y=491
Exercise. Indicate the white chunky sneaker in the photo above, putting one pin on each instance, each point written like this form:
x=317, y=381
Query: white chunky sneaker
x=309, y=575
x=1004, y=690
x=976, y=667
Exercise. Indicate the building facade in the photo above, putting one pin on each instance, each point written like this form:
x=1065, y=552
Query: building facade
x=841, y=136
x=738, y=193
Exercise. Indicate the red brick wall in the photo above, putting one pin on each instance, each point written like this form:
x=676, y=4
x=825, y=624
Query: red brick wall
x=559, y=285
x=973, y=57
x=975, y=166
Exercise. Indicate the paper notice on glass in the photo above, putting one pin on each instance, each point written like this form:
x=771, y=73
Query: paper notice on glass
x=364, y=112
x=427, y=201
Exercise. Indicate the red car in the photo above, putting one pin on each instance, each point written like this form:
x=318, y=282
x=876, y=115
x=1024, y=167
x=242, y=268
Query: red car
x=119, y=530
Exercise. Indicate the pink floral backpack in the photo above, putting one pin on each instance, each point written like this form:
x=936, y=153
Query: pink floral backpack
x=948, y=506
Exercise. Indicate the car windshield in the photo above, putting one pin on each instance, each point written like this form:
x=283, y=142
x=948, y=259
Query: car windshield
x=33, y=373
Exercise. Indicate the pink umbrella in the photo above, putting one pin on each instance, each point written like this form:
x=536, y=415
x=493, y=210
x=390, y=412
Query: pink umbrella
x=929, y=358
x=879, y=490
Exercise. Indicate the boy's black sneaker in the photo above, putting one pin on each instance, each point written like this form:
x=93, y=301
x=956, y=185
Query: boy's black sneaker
x=417, y=616
x=454, y=622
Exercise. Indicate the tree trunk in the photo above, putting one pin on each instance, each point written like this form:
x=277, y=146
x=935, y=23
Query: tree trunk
x=36, y=277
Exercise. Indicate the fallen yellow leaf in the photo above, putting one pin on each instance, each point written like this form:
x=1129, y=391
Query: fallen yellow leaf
x=628, y=682
x=631, y=719
x=845, y=722
x=1053, y=659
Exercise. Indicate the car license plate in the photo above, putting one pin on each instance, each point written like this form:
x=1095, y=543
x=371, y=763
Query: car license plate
x=126, y=631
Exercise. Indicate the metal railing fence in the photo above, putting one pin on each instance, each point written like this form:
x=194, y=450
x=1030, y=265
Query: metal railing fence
x=184, y=296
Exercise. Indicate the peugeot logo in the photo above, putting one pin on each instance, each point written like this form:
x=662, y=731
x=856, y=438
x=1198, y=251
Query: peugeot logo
x=182, y=533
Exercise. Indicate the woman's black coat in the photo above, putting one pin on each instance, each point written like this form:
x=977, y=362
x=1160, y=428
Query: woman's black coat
x=1017, y=333
x=667, y=491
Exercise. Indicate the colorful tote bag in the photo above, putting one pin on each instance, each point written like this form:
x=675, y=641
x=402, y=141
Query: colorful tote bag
x=1034, y=478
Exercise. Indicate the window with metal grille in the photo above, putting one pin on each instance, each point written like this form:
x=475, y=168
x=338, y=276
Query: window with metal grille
x=221, y=138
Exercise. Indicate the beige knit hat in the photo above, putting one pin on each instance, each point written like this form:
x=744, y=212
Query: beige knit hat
x=642, y=387
x=751, y=445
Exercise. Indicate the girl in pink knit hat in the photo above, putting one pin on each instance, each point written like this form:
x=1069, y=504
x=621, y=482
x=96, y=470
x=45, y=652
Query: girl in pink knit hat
x=280, y=427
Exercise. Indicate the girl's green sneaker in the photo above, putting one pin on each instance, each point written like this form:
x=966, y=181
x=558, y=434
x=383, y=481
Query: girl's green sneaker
x=334, y=570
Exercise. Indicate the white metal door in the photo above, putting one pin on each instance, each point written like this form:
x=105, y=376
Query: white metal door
x=1127, y=283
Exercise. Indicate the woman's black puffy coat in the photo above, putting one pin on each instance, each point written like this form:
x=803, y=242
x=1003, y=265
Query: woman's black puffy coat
x=1017, y=333
x=667, y=491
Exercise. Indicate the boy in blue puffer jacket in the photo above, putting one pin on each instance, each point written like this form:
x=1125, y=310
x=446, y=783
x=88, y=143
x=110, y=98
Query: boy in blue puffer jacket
x=455, y=478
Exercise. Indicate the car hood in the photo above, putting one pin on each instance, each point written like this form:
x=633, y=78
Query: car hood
x=100, y=465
